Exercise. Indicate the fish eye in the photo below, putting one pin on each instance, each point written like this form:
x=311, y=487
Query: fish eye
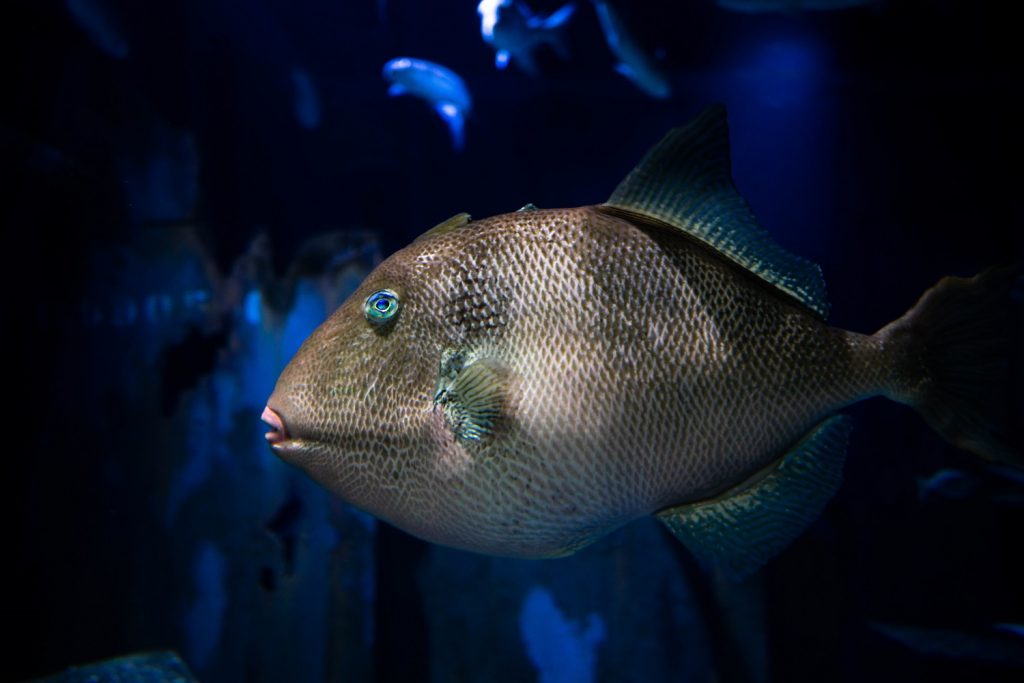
x=381, y=306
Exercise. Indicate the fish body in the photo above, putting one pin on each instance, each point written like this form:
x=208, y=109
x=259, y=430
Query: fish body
x=516, y=32
x=524, y=384
x=634, y=61
x=443, y=89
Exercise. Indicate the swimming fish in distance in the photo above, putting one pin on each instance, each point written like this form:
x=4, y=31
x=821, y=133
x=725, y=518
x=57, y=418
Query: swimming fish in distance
x=438, y=85
x=515, y=32
x=634, y=62
x=997, y=484
x=525, y=384
x=949, y=483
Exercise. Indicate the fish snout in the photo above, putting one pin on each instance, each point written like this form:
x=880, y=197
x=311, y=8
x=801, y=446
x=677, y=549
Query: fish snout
x=278, y=432
x=289, y=433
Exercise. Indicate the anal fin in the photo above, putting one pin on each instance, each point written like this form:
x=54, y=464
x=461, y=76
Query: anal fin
x=741, y=529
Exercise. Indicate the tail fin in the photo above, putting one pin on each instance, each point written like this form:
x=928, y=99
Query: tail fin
x=553, y=24
x=954, y=355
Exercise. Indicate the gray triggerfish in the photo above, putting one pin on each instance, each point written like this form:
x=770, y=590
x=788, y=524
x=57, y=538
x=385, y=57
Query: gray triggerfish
x=515, y=32
x=634, y=62
x=441, y=87
x=524, y=384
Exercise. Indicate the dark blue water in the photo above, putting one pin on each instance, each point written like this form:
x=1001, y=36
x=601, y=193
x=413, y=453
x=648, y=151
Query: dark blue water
x=190, y=187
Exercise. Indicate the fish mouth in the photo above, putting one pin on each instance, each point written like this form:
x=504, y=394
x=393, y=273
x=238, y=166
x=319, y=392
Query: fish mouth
x=278, y=433
x=280, y=441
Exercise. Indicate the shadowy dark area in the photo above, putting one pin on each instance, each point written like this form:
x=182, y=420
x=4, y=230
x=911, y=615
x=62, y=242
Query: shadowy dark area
x=184, y=363
x=175, y=227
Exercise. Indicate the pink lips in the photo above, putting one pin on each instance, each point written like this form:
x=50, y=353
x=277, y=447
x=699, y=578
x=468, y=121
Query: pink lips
x=277, y=433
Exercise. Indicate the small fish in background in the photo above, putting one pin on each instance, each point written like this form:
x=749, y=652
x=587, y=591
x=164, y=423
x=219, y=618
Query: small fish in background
x=634, y=62
x=1003, y=644
x=789, y=6
x=525, y=384
x=1013, y=629
x=998, y=484
x=439, y=86
x=948, y=483
x=515, y=32
x=307, y=104
x=97, y=19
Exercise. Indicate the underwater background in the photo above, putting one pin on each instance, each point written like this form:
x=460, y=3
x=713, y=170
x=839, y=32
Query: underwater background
x=191, y=187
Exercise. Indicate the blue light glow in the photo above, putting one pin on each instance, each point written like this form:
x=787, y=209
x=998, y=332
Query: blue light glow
x=782, y=117
x=562, y=650
x=784, y=71
x=252, y=308
x=438, y=85
x=97, y=20
x=488, y=11
x=307, y=103
x=204, y=619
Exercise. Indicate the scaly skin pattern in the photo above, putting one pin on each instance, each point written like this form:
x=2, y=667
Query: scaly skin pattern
x=639, y=369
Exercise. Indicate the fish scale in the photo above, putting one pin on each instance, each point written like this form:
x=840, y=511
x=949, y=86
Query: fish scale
x=549, y=375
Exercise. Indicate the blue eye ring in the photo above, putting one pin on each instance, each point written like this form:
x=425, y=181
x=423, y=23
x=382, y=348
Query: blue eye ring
x=381, y=306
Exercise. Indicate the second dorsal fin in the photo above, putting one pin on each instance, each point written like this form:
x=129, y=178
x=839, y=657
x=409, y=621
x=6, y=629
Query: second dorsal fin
x=686, y=182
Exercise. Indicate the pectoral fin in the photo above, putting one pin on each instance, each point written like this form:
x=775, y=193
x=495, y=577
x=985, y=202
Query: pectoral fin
x=740, y=530
x=472, y=399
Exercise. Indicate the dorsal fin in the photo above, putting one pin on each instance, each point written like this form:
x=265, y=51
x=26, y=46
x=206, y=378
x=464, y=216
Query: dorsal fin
x=456, y=221
x=686, y=182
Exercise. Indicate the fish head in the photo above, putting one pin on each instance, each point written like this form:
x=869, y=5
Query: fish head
x=355, y=406
x=397, y=70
